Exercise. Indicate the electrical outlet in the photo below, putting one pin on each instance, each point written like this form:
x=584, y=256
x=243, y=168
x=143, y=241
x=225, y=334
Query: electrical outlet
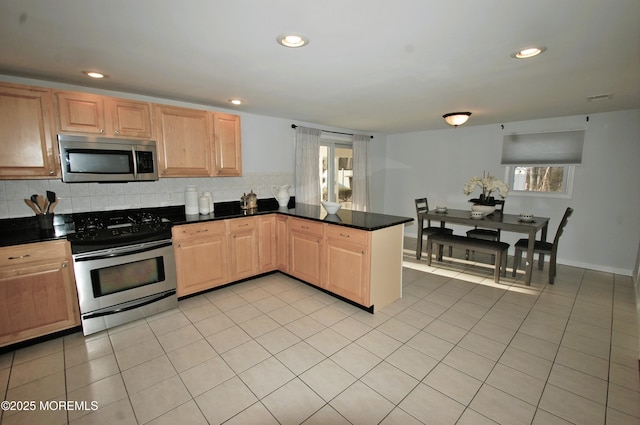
x=169, y=196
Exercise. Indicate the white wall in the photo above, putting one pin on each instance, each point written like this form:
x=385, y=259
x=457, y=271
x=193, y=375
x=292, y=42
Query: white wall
x=603, y=232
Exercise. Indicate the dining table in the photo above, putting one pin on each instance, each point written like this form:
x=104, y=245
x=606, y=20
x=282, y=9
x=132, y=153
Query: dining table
x=496, y=220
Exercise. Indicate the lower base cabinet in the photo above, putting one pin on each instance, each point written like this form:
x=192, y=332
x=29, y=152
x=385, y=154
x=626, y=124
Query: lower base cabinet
x=243, y=246
x=37, y=291
x=201, y=252
x=347, y=263
x=306, y=250
x=362, y=266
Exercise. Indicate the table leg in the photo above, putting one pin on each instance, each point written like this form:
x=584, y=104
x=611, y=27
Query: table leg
x=529, y=261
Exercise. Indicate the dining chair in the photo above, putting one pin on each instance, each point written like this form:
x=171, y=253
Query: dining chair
x=422, y=206
x=486, y=234
x=543, y=247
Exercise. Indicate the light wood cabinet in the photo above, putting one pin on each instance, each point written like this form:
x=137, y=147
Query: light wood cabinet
x=87, y=113
x=37, y=291
x=201, y=252
x=26, y=137
x=306, y=250
x=282, y=243
x=267, y=243
x=185, y=143
x=228, y=149
x=348, y=263
x=361, y=266
x=243, y=246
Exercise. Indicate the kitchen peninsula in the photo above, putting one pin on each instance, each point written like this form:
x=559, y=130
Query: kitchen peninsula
x=354, y=255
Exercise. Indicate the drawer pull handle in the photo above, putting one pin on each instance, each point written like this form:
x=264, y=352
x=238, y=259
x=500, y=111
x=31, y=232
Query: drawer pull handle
x=243, y=225
x=304, y=227
x=20, y=257
x=345, y=235
x=202, y=231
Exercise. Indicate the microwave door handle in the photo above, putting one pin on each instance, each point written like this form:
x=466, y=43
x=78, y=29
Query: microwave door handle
x=135, y=163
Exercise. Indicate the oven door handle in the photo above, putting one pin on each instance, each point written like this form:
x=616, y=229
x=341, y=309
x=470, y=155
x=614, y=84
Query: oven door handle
x=121, y=253
x=116, y=310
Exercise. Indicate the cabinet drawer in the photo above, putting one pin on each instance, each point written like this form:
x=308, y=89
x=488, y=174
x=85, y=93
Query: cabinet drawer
x=22, y=254
x=306, y=226
x=347, y=234
x=198, y=229
x=241, y=224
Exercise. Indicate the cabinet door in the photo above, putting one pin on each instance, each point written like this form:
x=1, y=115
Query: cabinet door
x=228, y=149
x=201, y=264
x=305, y=257
x=26, y=133
x=267, y=243
x=185, y=142
x=130, y=119
x=243, y=244
x=282, y=243
x=80, y=113
x=37, y=300
x=347, y=266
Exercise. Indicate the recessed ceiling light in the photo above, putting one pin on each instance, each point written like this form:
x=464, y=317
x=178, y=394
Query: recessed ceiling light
x=94, y=74
x=292, y=40
x=528, y=52
x=235, y=101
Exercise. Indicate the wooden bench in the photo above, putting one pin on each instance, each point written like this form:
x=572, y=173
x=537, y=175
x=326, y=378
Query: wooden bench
x=499, y=249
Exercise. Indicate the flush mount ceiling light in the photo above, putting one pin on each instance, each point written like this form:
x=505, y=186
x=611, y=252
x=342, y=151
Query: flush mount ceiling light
x=456, y=118
x=292, y=40
x=94, y=74
x=528, y=52
x=236, y=101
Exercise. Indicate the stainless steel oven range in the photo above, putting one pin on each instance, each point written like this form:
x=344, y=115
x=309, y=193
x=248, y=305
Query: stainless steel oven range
x=124, y=267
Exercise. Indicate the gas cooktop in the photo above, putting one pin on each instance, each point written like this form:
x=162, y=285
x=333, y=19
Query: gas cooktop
x=100, y=229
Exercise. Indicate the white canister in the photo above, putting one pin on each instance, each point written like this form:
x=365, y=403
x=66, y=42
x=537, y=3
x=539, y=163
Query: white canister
x=191, y=200
x=210, y=196
x=203, y=205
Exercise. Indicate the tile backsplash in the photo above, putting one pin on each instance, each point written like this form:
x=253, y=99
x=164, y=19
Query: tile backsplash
x=82, y=197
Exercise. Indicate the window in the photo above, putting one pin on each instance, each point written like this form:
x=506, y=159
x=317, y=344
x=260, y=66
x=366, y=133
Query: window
x=554, y=180
x=542, y=163
x=336, y=171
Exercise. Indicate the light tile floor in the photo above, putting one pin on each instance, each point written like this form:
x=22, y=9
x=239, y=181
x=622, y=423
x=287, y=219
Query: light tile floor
x=456, y=349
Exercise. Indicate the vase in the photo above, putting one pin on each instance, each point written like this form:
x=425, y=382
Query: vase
x=486, y=209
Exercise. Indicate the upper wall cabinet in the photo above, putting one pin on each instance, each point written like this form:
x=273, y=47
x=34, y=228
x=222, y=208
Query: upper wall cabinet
x=106, y=116
x=228, y=148
x=26, y=136
x=185, y=142
x=197, y=143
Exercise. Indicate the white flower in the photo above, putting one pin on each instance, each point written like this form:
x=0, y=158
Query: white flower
x=487, y=184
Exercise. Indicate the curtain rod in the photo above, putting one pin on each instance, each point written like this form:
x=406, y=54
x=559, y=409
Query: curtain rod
x=328, y=131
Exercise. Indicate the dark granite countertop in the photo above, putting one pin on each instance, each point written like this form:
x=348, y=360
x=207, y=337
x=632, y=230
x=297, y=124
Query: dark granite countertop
x=356, y=219
x=24, y=230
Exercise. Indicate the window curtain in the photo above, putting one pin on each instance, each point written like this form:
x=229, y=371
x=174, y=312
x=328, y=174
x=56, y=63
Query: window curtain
x=360, y=195
x=307, y=165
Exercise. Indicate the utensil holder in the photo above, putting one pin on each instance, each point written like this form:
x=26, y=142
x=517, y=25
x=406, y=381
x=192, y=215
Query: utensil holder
x=45, y=221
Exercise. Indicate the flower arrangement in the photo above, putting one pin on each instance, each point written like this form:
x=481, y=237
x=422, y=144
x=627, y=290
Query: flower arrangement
x=488, y=184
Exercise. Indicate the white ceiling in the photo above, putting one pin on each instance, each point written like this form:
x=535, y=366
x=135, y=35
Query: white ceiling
x=371, y=65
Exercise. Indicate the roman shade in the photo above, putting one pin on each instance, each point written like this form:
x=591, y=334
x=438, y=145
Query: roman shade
x=559, y=147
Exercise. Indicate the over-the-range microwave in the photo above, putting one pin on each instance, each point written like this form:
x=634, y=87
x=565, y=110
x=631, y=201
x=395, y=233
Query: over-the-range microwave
x=93, y=159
